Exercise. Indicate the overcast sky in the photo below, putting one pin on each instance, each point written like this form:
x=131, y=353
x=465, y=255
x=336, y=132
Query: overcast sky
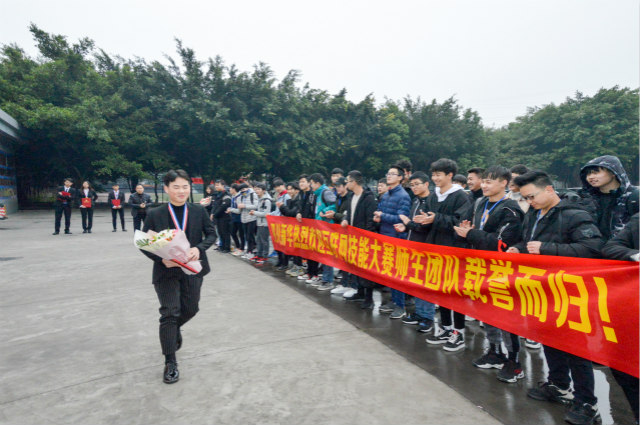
x=495, y=56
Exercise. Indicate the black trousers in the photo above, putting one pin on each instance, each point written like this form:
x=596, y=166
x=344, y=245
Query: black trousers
x=179, y=296
x=561, y=363
x=114, y=213
x=223, y=226
x=250, y=235
x=237, y=233
x=87, y=218
x=138, y=220
x=312, y=268
x=66, y=210
x=458, y=318
x=629, y=385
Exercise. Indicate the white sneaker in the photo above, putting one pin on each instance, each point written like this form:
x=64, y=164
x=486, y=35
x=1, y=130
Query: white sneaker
x=248, y=256
x=534, y=345
x=339, y=289
x=350, y=292
x=312, y=280
x=238, y=252
x=304, y=276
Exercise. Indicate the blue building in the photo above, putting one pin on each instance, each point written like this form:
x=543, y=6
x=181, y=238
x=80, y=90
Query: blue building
x=9, y=137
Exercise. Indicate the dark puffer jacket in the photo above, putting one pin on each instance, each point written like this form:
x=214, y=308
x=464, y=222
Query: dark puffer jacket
x=363, y=214
x=567, y=230
x=625, y=243
x=392, y=204
x=504, y=223
x=625, y=202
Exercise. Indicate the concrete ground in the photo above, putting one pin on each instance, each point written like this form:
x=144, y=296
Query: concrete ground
x=80, y=345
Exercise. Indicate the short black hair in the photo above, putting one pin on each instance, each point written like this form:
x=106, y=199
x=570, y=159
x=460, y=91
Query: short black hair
x=405, y=164
x=172, y=175
x=383, y=180
x=236, y=187
x=519, y=169
x=399, y=168
x=337, y=171
x=536, y=177
x=341, y=181
x=317, y=177
x=294, y=185
x=277, y=182
x=459, y=178
x=497, y=172
x=68, y=179
x=242, y=186
x=221, y=181
x=476, y=170
x=419, y=175
x=212, y=188
x=356, y=176
x=260, y=185
x=444, y=165
x=303, y=176
x=114, y=184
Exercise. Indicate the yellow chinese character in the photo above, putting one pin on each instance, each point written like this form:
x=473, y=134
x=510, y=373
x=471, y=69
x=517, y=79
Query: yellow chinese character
x=363, y=252
x=296, y=237
x=609, y=332
x=313, y=240
x=417, y=266
x=334, y=237
x=451, y=271
x=433, y=275
x=275, y=232
x=533, y=299
x=304, y=237
x=343, y=247
x=321, y=241
x=388, y=258
x=353, y=250
x=375, y=247
x=474, y=276
x=499, y=284
x=562, y=300
x=402, y=262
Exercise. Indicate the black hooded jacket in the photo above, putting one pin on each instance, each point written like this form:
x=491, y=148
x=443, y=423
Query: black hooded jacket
x=625, y=244
x=614, y=209
x=450, y=212
x=566, y=230
x=363, y=214
x=418, y=232
x=504, y=223
x=292, y=207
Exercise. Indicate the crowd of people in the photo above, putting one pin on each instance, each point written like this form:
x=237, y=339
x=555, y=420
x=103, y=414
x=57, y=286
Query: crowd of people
x=513, y=210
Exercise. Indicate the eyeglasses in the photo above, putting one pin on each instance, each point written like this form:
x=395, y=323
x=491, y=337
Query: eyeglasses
x=416, y=184
x=393, y=174
x=530, y=198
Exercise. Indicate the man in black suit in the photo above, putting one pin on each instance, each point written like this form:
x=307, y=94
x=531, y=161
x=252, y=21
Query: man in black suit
x=178, y=293
x=140, y=203
x=116, y=200
x=65, y=197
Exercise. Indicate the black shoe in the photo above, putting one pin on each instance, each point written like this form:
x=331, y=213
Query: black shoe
x=84, y=231
x=171, y=373
x=425, y=325
x=547, y=391
x=66, y=232
x=88, y=230
x=582, y=413
x=114, y=230
x=490, y=360
x=411, y=319
x=55, y=233
x=355, y=297
x=124, y=230
x=367, y=304
x=179, y=340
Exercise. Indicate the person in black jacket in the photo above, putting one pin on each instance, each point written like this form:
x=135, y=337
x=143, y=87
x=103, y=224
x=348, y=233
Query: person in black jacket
x=307, y=210
x=425, y=311
x=65, y=197
x=624, y=246
x=222, y=202
x=497, y=224
x=86, y=207
x=560, y=227
x=140, y=203
x=291, y=208
x=447, y=207
x=362, y=205
x=178, y=293
x=116, y=200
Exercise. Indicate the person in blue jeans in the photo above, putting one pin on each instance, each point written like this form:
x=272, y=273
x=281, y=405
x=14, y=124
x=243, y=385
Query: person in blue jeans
x=394, y=203
x=325, y=203
x=419, y=184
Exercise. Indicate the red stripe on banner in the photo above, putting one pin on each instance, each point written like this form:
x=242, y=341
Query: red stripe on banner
x=586, y=307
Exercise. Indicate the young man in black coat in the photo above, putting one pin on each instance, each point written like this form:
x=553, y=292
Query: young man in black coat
x=178, y=293
x=221, y=203
x=116, y=201
x=496, y=225
x=359, y=213
x=65, y=197
x=560, y=227
x=140, y=203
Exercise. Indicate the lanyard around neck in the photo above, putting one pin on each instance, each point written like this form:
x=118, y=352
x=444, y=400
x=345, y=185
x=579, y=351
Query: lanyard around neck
x=185, y=214
x=533, y=231
x=485, y=213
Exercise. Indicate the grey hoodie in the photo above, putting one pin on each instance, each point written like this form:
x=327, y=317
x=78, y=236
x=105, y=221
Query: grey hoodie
x=264, y=208
x=250, y=203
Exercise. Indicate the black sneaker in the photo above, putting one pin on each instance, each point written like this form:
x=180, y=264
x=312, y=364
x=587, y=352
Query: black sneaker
x=387, y=308
x=367, y=304
x=547, y=391
x=511, y=372
x=440, y=337
x=582, y=413
x=355, y=297
x=455, y=343
x=490, y=360
x=55, y=233
x=411, y=319
x=425, y=325
x=171, y=374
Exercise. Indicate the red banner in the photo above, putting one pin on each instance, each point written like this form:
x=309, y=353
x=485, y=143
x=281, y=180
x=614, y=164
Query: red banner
x=582, y=306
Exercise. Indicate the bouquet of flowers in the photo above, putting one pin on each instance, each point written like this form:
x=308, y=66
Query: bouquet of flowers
x=169, y=244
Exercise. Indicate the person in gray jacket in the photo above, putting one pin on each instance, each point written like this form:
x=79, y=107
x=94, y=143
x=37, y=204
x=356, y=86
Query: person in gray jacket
x=247, y=202
x=264, y=209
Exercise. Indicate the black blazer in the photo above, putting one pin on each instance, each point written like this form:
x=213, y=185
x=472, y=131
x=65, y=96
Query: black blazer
x=64, y=201
x=198, y=224
x=112, y=195
x=92, y=194
x=135, y=200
